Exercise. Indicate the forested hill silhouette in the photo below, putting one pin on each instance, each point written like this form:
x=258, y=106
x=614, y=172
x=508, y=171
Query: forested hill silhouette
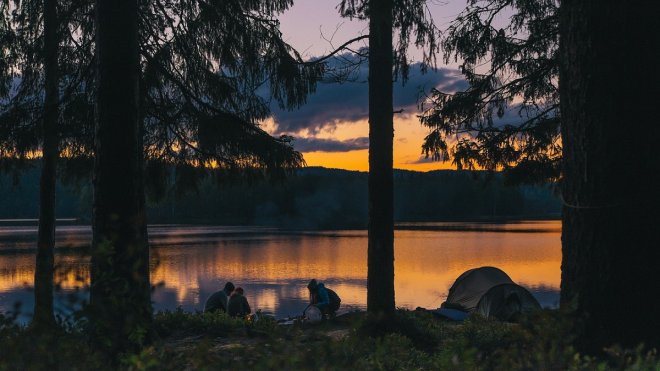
x=315, y=197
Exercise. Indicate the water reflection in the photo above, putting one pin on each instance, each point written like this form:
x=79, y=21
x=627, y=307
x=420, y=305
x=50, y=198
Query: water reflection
x=273, y=266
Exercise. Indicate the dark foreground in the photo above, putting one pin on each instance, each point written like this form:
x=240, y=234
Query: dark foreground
x=416, y=340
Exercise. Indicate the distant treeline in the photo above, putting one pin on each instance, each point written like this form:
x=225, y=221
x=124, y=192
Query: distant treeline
x=314, y=198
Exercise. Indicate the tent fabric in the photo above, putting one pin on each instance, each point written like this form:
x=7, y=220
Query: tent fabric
x=491, y=293
x=506, y=301
x=470, y=286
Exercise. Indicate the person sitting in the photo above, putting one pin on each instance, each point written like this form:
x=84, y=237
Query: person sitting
x=238, y=305
x=323, y=298
x=218, y=301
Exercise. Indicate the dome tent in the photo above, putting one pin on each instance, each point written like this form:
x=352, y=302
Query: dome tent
x=490, y=292
x=506, y=301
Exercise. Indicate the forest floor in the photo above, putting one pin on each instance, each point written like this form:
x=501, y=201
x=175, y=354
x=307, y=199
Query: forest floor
x=413, y=340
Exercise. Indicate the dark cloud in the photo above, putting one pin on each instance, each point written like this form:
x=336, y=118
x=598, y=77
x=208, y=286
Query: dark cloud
x=516, y=115
x=333, y=102
x=422, y=160
x=330, y=145
x=454, y=86
x=13, y=84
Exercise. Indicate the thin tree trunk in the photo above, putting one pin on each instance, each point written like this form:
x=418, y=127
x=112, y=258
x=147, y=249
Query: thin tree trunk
x=610, y=53
x=120, y=302
x=43, y=276
x=380, y=280
x=142, y=196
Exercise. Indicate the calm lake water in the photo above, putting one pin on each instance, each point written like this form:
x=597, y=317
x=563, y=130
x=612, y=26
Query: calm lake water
x=189, y=263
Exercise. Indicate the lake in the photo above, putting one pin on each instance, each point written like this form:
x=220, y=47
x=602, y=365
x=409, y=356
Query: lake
x=273, y=266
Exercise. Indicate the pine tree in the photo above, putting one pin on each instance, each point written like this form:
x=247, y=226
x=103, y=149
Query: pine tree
x=120, y=303
x=206, y=74
x=193, y=98
x=591, y=145
x=508, y=116
x=386, y=61
x=380, y=278
x=209, y=75
x=609, y=84
x=38, y=45
x=45, y=261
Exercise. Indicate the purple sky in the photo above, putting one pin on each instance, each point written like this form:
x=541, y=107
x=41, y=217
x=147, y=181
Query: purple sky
x=315, y=28
x=331, y=128
x=303, y=24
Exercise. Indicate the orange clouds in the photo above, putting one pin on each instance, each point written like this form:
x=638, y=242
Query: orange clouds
x=408, y=138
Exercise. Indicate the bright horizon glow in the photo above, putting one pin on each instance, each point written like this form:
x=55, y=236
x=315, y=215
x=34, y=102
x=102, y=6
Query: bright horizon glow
x=408, y=138
x=317, y=35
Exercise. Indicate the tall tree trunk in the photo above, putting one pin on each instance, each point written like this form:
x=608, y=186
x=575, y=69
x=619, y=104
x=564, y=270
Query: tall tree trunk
x=43, y=276
x=120, y=292
x=380, y=278
x=610, y=55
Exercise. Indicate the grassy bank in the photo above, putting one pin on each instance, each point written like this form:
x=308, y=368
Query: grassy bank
x=415, y=340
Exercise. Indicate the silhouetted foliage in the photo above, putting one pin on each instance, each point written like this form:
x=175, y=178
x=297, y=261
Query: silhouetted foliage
x=23, y=93
x=206, y=75
x=7, y=37
x=508, y=117
x=416, y=341
x=41, y=78
x=209, y=73
x=313, y=198
x=412, y=25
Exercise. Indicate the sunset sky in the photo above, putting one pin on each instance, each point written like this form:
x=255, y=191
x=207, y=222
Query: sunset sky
x=331, y=130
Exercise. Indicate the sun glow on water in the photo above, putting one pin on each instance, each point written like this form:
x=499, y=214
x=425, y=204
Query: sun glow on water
x=274, y=267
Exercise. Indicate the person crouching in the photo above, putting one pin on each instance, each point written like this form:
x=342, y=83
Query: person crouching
x=323, y=298
x=238, y=305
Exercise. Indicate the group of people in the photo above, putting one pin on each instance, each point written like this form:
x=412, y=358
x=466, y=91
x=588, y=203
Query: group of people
x=232, y=301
